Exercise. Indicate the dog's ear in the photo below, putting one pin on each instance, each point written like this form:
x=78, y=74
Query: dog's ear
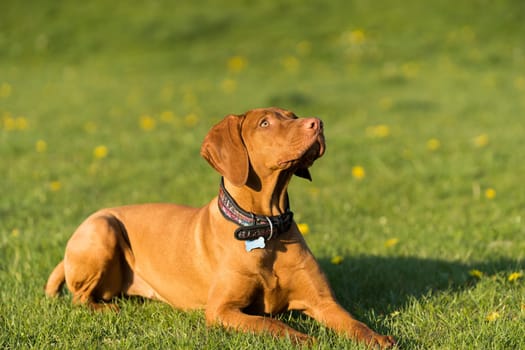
x=304, y=173
x=224, y=149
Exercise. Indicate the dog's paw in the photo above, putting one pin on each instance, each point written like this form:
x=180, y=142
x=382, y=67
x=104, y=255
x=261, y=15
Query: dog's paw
x=373, y=339
x=384, y=341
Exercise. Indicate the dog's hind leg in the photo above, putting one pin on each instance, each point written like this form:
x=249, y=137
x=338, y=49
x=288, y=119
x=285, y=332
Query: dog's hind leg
x=95, y=266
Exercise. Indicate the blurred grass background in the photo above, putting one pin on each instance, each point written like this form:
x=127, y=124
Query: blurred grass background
x=415, y=212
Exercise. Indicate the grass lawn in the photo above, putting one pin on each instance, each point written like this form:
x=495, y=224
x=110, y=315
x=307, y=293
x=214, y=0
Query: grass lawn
x=416, y=212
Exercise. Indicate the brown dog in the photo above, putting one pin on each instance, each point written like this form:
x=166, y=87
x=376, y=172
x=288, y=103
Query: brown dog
x=239, y=257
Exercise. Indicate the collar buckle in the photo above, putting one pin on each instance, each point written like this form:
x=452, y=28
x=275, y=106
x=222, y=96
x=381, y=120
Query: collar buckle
x=251, y=225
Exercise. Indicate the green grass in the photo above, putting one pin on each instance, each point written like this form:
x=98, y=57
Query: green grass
x=409, y=232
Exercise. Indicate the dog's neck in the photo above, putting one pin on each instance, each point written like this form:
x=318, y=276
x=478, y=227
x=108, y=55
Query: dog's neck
x=268, y=200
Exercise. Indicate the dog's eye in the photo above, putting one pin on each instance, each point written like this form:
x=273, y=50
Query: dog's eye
x=264, y=123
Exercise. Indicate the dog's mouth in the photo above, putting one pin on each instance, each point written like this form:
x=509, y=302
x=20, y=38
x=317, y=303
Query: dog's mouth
x=313, y=151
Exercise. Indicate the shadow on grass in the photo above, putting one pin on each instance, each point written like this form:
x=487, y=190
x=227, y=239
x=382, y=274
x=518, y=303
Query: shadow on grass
x=381, y=285
x=387, y=283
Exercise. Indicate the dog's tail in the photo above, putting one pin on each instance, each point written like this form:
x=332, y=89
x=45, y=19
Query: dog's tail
x=56, y=280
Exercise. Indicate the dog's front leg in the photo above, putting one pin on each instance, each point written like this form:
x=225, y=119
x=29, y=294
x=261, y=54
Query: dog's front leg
x=227, y=299
x=334, y=316
x=312, y=294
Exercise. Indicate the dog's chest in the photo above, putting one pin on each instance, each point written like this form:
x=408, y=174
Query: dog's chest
x=269, y=297
x=274, y=268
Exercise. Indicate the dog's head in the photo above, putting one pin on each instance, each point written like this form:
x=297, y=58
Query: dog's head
x=267, y=140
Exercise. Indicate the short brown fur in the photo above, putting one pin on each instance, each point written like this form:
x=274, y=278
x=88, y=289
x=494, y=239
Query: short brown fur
x=189, y=258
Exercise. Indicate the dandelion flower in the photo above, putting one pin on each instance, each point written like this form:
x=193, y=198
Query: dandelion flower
x=147, y=123
x=515, y=276
x=481, y=140
x=303, y=228
x=21, y=123
x=236, y=64
x=433, y=144
x=191, y=119
x=167, y=117
x=228, y=86
x=490, y=193
x=100, y=152
x=378, y=131
x=5, y=90
x=41, y=146
x=358, y=172
x=336, y=260
x=15, y=232
x=291, y=64
x=493, y=316
x=476, y=273
x=55, y=186
x=391, y=242
x=8, y=121
x=356, y=37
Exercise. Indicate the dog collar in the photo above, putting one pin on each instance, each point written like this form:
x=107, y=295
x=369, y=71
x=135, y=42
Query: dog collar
x=252, y=226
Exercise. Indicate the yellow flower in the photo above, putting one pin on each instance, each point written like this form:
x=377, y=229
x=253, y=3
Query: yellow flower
x=493, y=316
x=55, y=186
x=236, y=64
x=21, y=123
x=147, y=123
x=515, y=276
x=100, y=152
x=5, y=90
x=291, y=64
x=391, y=242
x=433, y=144
x=476, y=273
x=356, y=36
x=8, y=121
x=481, y=140
x=378, y=131
x=228, y=86
x=15, y=232
x=191, y=119
x=167, y=117
x=41, y=146
x=490, y=193
x=336, y=260
x=303, y=228
x=358, y=172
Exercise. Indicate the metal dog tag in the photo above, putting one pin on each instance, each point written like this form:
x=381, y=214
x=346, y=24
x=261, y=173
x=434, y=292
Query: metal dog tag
x=256, y=243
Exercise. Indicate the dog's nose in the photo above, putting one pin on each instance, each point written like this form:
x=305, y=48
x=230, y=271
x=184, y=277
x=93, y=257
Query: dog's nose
x=314, y=123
